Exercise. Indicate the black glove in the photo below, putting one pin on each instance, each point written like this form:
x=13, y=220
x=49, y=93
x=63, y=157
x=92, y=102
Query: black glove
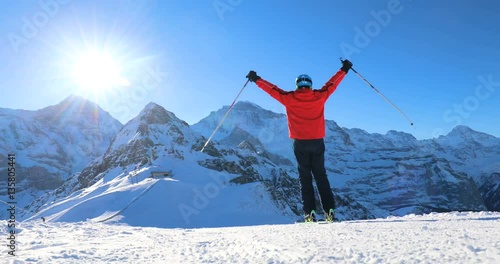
x=252, y=76
x=346, y=65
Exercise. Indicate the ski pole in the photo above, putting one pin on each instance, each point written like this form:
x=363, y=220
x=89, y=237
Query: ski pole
x=375, y=89
x=224, y=117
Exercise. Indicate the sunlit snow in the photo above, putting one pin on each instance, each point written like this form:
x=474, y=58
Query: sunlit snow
x=435, y=238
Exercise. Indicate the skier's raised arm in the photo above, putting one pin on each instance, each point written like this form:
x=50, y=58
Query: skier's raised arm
x=331, y=85
x=268, y=87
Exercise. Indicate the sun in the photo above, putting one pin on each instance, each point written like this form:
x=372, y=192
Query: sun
x=97, y=71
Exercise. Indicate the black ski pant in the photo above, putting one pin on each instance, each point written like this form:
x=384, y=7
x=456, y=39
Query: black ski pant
x=310, y=155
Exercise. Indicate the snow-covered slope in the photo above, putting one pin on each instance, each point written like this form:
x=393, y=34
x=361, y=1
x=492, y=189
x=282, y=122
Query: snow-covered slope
x=434, y=238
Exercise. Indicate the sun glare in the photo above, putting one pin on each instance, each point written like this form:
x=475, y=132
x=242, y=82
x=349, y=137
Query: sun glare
x=96, y=72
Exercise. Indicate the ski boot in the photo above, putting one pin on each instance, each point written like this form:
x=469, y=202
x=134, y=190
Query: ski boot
x=308, y=218
x=330, y=216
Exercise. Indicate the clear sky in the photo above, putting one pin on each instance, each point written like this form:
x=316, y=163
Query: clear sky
x=438, y=61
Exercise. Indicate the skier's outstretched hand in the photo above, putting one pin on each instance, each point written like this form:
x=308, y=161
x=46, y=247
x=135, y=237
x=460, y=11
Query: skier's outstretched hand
x=252, y=76
x=346, y=65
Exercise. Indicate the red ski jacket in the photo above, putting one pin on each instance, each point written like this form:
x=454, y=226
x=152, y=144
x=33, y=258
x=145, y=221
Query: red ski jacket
x=305, y=108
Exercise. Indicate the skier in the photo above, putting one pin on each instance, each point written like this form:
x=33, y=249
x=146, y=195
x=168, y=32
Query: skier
x=306, y=127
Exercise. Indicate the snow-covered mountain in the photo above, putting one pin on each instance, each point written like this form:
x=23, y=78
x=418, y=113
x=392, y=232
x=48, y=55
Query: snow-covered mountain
x=51, y=144
x=247, y=174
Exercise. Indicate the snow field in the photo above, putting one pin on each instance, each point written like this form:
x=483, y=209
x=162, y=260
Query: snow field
x=435, y=238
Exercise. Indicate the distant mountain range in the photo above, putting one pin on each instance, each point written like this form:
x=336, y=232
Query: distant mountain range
x=75, y=162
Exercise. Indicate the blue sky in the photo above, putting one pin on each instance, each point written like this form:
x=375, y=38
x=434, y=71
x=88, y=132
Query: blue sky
x=438, y=61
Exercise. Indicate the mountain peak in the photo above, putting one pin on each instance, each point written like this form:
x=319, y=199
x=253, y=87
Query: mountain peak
x=72, y=109
x=153, y=113
x=76, y=98
x=152, y=106
x=250, y=108
x=247, y=105
x=462, y=131
x=400, y=135
x=75, y=102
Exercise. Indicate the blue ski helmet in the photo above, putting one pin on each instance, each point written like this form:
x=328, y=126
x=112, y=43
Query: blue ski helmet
x=303, y=81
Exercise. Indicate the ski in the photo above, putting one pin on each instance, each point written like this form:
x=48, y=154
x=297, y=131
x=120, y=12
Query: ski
x=316, y=222
x=311, y=218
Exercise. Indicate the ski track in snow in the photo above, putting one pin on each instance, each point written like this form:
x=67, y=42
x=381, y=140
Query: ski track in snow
x=435, y=238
